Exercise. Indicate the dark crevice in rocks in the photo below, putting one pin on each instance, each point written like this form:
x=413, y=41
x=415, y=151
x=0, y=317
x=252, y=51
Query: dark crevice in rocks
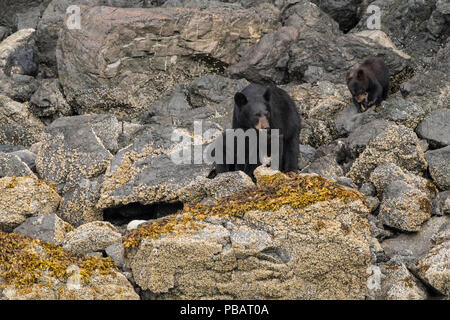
x=122, y=215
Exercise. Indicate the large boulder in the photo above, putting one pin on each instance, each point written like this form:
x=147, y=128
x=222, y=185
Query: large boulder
x=157, y=48
x=24, y=197
x=18, y=65
x=32, y=269
x=298, y=237
x=53, y=19
x=77, y=147
x=396, y=144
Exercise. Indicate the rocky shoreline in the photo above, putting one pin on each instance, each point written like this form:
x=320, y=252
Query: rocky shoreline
x=92, y=205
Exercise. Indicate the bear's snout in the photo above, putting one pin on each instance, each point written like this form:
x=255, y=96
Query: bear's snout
x=263, y=123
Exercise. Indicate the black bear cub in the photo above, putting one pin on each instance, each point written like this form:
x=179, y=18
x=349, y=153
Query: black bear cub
x=369, y=83
x=266, y=107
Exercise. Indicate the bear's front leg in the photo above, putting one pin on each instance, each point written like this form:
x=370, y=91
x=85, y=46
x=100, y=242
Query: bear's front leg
x=290, y=154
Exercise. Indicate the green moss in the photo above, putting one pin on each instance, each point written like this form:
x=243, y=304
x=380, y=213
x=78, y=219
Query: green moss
x=272, y=193
x=23, y=262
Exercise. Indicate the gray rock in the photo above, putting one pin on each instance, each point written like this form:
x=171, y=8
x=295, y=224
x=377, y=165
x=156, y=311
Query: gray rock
x=11, y=165
x=78, y=205
x=283, y=248
x=53, y=20
x=402, y=111
x=404, y=207
x=430, y=90
x=442, y=59
x=47, y=227
x=48, y=102
x=24, y=197
x=395, y=283
x=195, y=42
x=37, y=261
x=28, y=157
x=439, y=166
x=424, y=145
x=317, y=132
x=209, y=98
x=27, y=19
x=407, y=30
x=378, y=231
x=439, y=20
x=363, y=135
x=77, y=147
x=326, y=166
x=115, y=252
x=373, y=203
x=387, y=173
x=4, y=32
x=306, y=155
x=433, y=268
x=200, y=4
x=18, y=65
x=441, y=203
x=302, y=50
x=346, y=13
x=396, y=144
x=349, y=119
x=19, y=126
x=306, y=16
x=407, y=248
x=10, y=9
x=368, y=189
x=436, y=128
x=91, y=237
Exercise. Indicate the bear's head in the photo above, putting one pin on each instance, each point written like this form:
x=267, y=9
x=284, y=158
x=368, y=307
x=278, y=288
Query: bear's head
x=358, y=84
x=253, y=112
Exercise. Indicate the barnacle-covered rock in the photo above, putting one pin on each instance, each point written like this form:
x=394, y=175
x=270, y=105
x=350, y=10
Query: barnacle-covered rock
x=291, y=237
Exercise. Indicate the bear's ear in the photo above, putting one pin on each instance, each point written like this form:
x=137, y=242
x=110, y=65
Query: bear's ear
x=360, y=74
x=267, y=94
x=240, y=99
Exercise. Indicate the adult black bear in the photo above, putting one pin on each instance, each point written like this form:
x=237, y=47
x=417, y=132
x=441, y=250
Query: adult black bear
x=369, y=83
x=266, y=107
